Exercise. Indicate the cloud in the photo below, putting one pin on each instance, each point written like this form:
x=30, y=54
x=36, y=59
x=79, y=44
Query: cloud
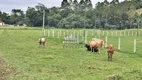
x=50, y=3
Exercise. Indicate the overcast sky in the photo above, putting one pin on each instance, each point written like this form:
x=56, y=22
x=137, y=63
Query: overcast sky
x=8, y=5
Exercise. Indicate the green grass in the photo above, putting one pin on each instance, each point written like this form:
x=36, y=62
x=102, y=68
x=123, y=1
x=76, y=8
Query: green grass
x=20, y=49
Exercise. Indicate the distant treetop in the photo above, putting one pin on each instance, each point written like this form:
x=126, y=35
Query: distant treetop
x=74, y=4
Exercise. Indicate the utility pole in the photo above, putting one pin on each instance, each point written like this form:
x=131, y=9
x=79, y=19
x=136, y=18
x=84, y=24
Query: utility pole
x=138, y=26
x=43, y=23
x=84, y=25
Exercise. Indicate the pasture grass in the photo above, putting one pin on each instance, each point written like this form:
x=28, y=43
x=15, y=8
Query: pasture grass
x=53, y=62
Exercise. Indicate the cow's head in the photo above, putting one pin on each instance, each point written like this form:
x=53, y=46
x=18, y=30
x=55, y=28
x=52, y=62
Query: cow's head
x=96, y=49
x=88, y=47
x=110, y=47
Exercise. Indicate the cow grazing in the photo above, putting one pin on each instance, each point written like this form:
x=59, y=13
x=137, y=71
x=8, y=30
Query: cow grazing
x=88, y=47
x=95, y=45
x=42, y=42
x=110, y=51
x=91, y=46
x=99, y=43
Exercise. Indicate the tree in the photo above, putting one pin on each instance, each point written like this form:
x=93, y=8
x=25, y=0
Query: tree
x=31, y=16
x=17, y=17
x=35, y=15
x=64, y=13
x=75, y=5
x=54, y=20
x=88, y=4
x=74, y=21
x=65, y=4
x=125, y=18
x=5, y=18
x=106, y=3
x=0, y=15
x=82, y=5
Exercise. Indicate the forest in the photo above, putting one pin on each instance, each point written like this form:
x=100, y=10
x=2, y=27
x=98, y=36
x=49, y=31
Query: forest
x=79, y=14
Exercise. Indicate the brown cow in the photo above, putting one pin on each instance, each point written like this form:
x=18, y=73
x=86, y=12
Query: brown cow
x=91, y=49
x=99, y=43
x=92, y=46
x=110, y=51
x=42, y=42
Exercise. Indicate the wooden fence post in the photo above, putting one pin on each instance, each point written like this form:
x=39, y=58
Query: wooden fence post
x=135, y=33
x=116, y=33
x=92, y=33
x=128, y=33
x=111, y=33
x=134, y=45
x=74, y=32
x=44, y=32
x=53, y=33
x=86, y=37
x=124, y=33
x=48, y=33
x=64, y=34
x=106, y=42
x=120, y=33
x=103, y=33
x=139, y=33
x=67, y=32
x=58, y=34
x=119, y=44
x=80, y=33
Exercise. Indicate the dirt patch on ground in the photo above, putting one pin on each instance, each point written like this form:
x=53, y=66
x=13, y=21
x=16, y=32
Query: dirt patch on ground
x=5, y=70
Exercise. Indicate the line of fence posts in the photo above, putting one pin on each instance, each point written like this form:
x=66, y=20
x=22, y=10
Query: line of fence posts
x=106, y=39
x=119, y=44
x=129, y=33
x=86, y=35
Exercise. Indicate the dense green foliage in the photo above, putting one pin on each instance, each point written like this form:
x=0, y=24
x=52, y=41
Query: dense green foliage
x=74, y=14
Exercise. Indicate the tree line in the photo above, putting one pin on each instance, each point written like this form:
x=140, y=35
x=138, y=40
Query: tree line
x=74, y=14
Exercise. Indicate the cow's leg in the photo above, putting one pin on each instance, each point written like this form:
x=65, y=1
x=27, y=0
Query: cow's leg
x=110, y=57
x=43, y=44
x=98, y=50
x=92, y=49
x=39, y=44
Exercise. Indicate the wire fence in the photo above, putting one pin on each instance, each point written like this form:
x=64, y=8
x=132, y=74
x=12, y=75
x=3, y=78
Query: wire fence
x=127, y=41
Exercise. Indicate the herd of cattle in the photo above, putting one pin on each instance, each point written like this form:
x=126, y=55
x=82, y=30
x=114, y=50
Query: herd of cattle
x=94, y=45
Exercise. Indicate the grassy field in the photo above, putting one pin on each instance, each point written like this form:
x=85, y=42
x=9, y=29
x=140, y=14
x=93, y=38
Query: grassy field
x=19, y=48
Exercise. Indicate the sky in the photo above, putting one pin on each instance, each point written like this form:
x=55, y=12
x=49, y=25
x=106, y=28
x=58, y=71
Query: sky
x=8, y=5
